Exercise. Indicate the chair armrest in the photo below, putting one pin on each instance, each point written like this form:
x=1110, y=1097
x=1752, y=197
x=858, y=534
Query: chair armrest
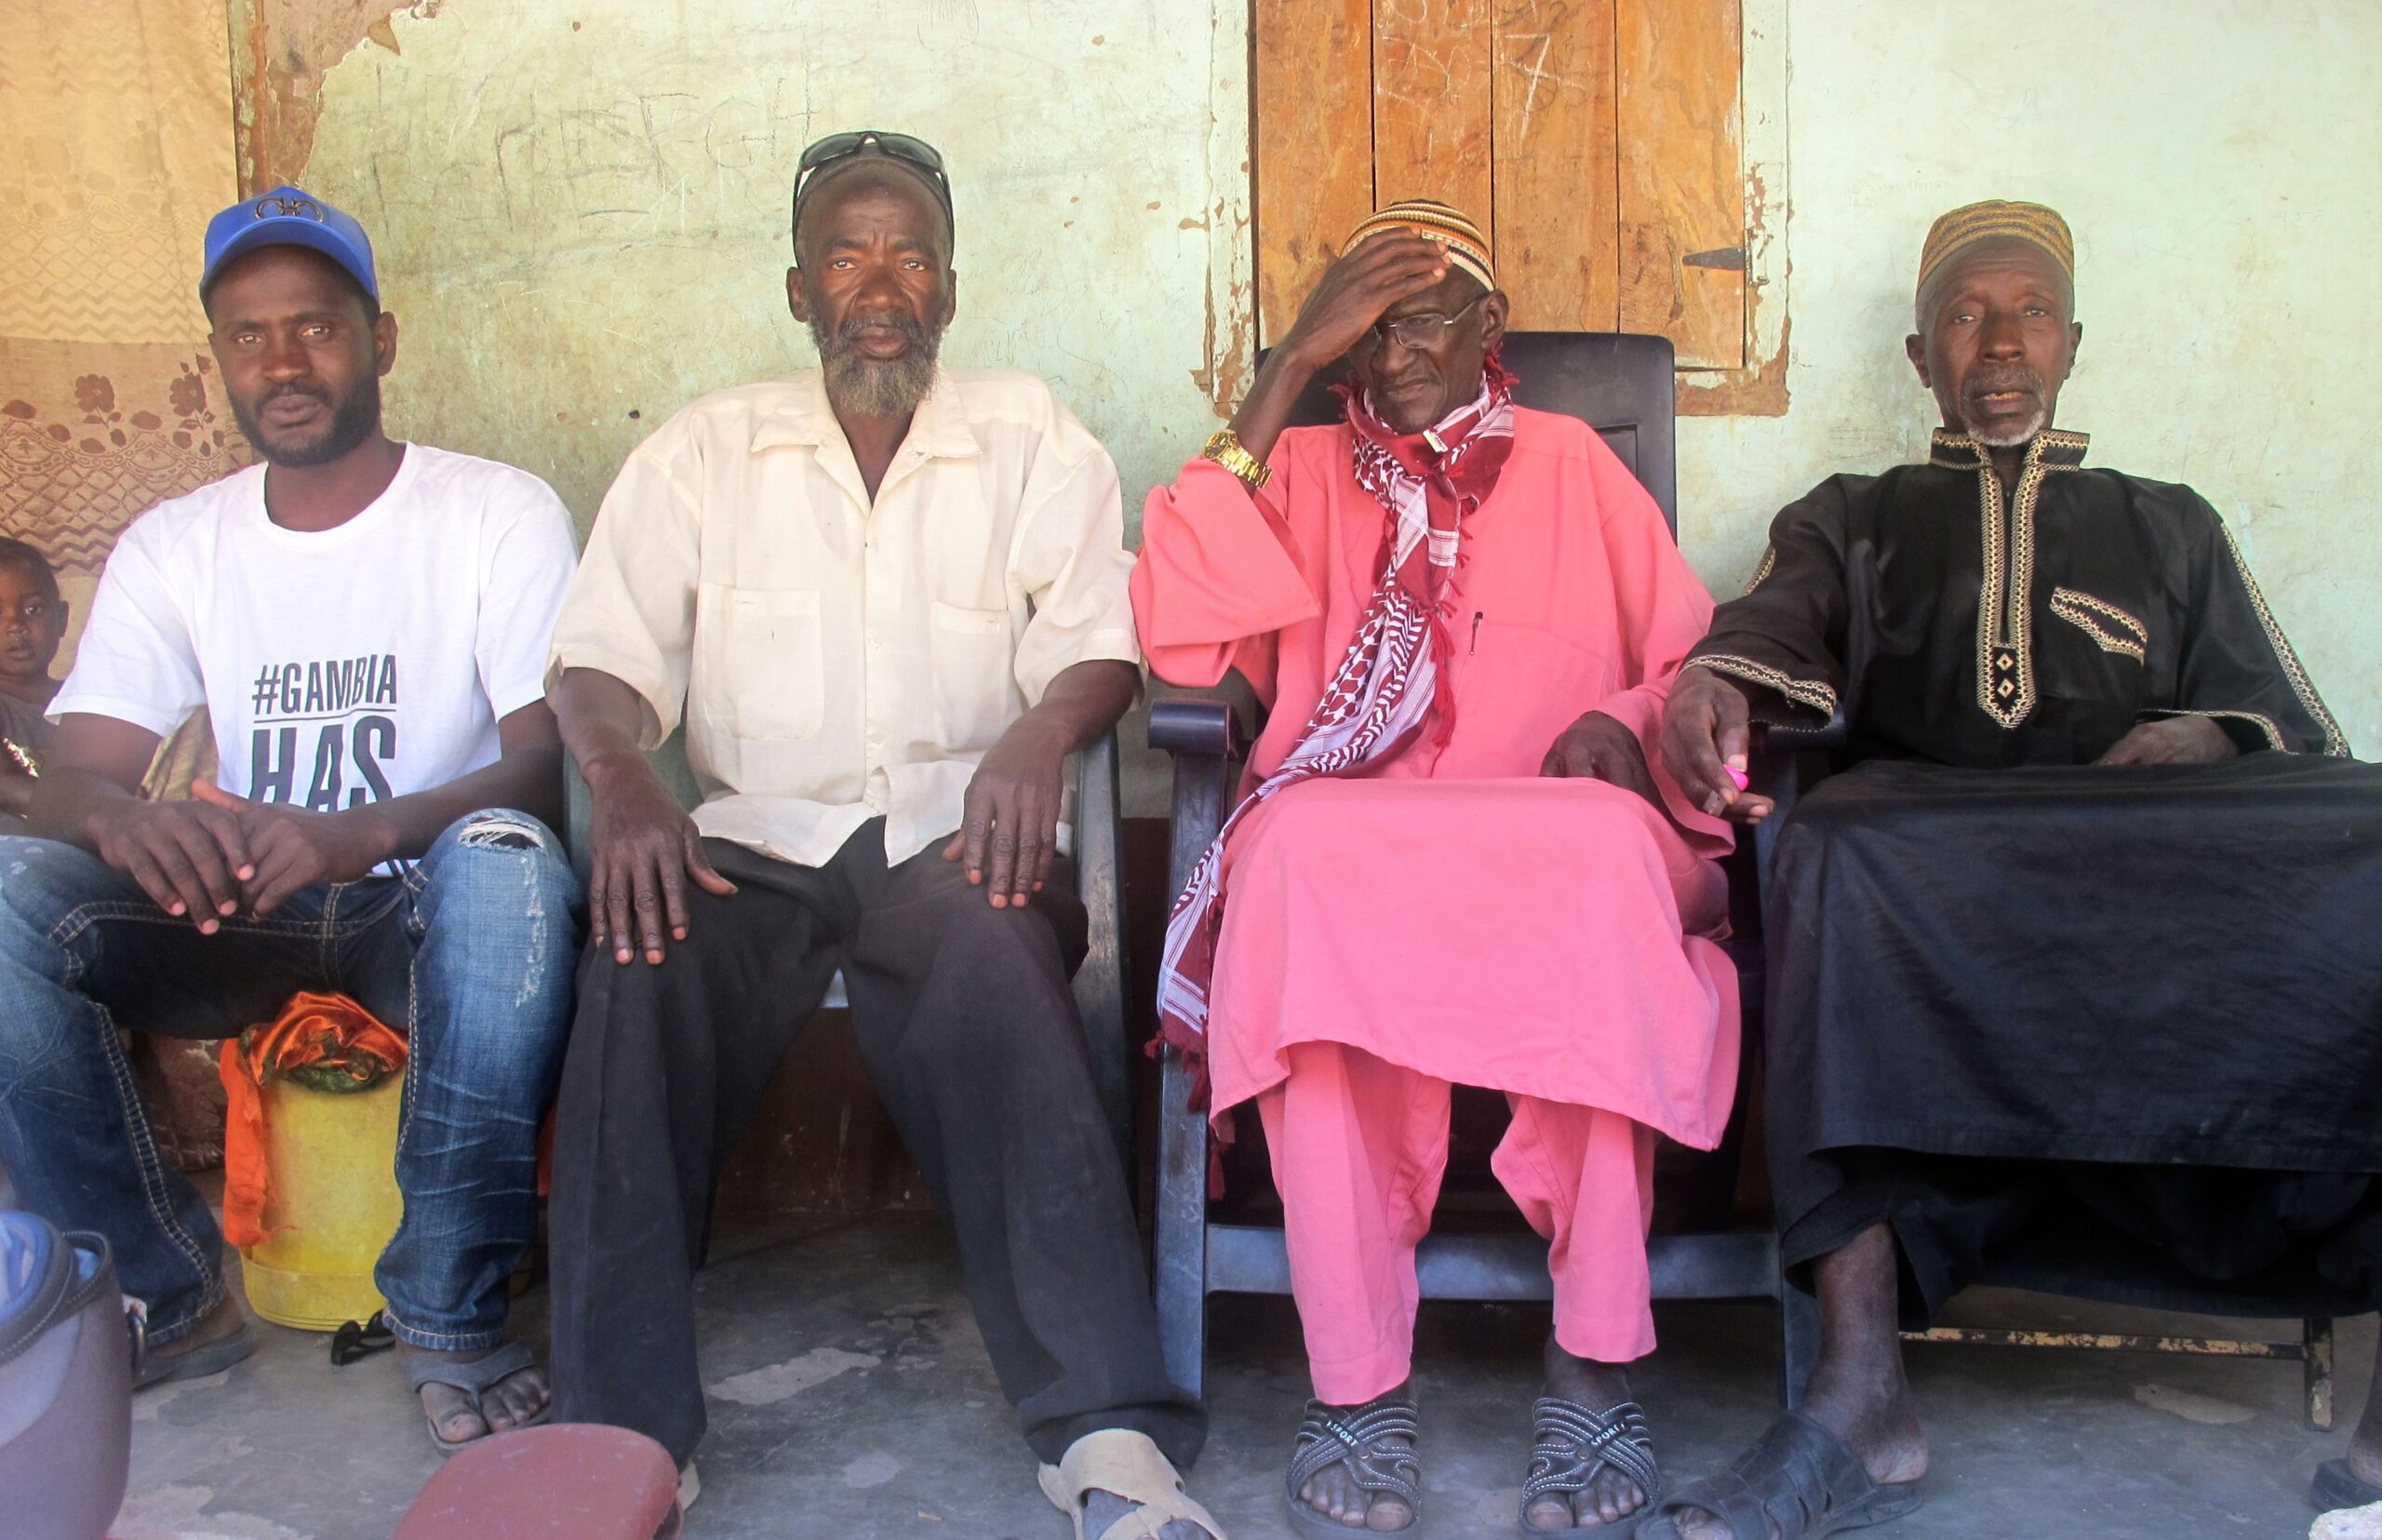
x=1785, y=763
x=1778, y=738
x=1181, y=724
x=1788, y=761
x=1101, y=984
x=1204, y=738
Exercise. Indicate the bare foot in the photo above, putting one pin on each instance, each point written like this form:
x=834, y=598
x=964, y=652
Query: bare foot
x=1102, y=1510
x=1333, y=1492
x=1611, y=1497
x=1879, y=1425
x=510, y=1402
x=1857, y=1390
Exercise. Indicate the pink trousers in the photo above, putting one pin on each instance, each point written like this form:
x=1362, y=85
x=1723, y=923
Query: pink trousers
x=1358, y=1147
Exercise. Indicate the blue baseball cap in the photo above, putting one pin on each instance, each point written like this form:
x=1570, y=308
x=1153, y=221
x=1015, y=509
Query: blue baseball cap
x=288, y=215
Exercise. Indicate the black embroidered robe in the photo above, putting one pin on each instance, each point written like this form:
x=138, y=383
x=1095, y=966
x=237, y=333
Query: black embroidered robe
x=1953, y=625
x=2114, y=1030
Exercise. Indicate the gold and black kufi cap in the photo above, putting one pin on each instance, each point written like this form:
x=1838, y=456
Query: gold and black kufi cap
x=1467, y=247
x=1997, y=218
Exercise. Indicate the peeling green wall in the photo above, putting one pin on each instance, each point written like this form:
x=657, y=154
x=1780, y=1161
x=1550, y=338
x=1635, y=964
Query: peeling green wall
x=2215, y=160
x=580, y=210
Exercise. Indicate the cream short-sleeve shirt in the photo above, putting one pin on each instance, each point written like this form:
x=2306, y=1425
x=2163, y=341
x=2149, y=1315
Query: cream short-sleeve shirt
x=834, y=660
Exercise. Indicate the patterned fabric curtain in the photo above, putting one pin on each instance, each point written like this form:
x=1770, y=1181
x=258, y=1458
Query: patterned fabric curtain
x=116, y=148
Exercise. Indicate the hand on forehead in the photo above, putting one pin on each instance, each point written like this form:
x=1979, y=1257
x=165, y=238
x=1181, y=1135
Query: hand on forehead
x=1462, y=241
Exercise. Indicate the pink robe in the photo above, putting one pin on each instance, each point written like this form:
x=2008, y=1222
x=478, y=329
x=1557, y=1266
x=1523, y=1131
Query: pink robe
x=1451, y=912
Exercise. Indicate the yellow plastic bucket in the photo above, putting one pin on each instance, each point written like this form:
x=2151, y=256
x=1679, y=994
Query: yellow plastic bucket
x=332, y=1203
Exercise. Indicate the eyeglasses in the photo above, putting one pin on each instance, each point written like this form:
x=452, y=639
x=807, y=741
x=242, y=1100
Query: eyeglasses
x=916, y=153
x=1419, y=332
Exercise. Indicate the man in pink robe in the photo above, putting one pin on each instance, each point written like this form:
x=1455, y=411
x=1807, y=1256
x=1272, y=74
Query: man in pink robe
x=1460, y=861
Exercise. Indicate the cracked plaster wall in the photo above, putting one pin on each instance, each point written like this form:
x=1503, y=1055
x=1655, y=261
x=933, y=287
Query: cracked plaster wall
x=2215, y=160
x=582, y=208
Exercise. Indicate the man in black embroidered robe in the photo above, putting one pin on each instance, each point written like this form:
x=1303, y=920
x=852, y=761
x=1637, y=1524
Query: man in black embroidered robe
x=2072, y=971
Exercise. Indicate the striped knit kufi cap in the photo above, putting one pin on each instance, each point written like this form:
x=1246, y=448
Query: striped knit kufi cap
x=1997, y=218
x=1468, y=247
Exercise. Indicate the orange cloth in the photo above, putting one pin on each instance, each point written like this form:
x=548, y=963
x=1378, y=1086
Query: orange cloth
x=327, y=1030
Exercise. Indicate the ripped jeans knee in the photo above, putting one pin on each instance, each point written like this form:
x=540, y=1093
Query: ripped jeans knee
x=500, y=829
x=500, y=858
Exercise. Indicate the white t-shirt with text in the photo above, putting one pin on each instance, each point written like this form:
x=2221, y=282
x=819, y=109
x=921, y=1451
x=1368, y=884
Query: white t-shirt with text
x=341, y=667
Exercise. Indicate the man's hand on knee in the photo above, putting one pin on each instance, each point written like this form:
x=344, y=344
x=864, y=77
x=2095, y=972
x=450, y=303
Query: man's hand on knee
x=1009, y=831
x=1597, y=747
x=643, y=851
x=2172, y=740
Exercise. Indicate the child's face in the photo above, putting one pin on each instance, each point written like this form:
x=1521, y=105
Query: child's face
x=33, y=621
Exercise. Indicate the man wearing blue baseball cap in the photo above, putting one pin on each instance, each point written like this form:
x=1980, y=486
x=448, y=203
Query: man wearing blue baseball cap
x=293, y=222
x=366, y=623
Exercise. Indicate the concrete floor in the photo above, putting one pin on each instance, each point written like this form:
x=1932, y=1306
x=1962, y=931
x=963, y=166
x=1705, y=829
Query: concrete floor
x=852, y=1400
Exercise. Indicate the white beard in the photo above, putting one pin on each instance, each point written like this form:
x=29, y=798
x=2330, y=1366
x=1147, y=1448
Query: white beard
x=2012, y=439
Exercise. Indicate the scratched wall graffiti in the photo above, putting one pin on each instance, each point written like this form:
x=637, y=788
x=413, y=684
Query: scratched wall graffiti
x=583, y=223
x=580, y=212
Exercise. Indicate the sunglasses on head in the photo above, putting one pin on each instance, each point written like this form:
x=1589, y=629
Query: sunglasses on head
x=916, y=153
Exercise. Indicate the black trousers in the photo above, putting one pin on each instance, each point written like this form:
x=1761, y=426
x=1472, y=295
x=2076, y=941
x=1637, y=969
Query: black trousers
x=970, y=1035
x=2212, y=1240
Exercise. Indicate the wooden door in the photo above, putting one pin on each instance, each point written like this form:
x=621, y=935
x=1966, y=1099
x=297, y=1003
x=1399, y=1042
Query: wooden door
x=1598, y=141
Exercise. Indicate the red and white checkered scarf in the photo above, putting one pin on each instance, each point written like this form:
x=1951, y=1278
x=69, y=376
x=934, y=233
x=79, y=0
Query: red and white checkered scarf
x=1376, y=702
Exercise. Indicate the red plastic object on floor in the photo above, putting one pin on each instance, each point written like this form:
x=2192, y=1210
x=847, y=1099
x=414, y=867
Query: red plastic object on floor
x=560, y=1482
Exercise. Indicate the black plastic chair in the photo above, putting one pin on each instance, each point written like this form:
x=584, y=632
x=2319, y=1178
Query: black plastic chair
x=1622, y=385
x=1100, y=983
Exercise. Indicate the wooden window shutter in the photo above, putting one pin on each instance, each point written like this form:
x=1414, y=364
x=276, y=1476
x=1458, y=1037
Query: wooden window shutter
x=1682, y=203
x=1600, y=141
x=1314, y=161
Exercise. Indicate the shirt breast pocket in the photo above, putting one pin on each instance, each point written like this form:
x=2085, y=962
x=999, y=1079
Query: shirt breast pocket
x=767, y=656
x=975, y=660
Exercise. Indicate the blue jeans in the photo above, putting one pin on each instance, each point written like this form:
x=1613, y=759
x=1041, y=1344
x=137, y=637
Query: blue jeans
x=469, y=955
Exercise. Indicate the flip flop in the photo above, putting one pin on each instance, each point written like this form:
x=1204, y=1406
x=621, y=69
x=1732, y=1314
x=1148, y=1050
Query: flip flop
x=1128, y=1465
x=209, y=1358
x=1358, y=1438
x=473, y=1379
x=1573, y=1442
x=1799, y=1477
x=2337, y=1487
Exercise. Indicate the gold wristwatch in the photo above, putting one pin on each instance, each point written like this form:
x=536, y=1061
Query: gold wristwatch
x=1224, y=447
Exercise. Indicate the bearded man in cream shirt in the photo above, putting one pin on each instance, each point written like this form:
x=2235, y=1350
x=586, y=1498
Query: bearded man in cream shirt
x=889, y=599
